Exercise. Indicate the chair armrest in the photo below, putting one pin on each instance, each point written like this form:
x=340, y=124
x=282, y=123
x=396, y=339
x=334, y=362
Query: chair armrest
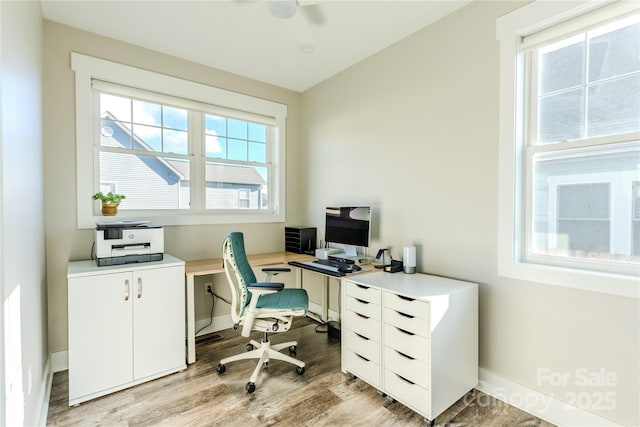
x=276, y=269
x=267, y=286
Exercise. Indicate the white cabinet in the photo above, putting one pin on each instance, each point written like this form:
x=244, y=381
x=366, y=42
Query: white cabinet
x=412, y=336
x=126, y=325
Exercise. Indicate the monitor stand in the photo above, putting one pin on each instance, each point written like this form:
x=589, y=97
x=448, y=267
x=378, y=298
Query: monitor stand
x=350, y=254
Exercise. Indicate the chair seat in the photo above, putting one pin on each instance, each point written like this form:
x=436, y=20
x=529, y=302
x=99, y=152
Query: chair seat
x=286, y=299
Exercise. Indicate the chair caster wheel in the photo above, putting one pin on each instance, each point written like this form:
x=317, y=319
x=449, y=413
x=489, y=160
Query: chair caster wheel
x=221, y=368
x=292, y=349
x=249, y=347
x=299, y=370
x=250, y=387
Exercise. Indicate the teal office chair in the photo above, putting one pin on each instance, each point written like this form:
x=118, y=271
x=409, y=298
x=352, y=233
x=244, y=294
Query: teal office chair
x=260, y=306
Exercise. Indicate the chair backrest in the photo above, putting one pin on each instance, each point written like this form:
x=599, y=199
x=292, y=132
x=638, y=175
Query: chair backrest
x=239, y=272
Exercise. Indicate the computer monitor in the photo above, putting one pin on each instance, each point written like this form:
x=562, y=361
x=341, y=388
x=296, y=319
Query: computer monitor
x=349, y=226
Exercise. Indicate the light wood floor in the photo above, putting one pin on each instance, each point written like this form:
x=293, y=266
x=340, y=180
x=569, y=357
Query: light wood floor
x=322, y=396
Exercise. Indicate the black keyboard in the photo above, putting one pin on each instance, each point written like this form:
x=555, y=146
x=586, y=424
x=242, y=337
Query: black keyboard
x=316, y=266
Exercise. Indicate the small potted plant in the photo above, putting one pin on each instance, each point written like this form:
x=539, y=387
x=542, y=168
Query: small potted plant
x=110, y=202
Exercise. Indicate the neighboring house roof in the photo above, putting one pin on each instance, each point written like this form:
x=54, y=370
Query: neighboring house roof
x=214, y=172
x=226, y=173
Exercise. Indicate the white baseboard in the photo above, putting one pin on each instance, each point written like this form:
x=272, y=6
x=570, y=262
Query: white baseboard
x=317, y=309
x=219, y=323
x=536, y=403
x=44, y=394
x=59, y=361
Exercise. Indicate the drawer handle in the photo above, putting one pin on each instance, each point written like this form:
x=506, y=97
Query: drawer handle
x=406, y=298
x=361, y=336
x=405, y=380
x=404, y=314
x=362, y=315
x=362, y=301
x=362, y=357
x=362, y=286
x=405, y=331
x=405, y=355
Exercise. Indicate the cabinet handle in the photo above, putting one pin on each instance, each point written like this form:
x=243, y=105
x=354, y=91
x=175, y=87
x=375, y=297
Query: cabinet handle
x=405, y=355
x=139, y=287
x=362, y=286
x=405, y=331
x=406, y=298
x=404, y=314
x=362, y=301
x=126, y=290
x=405, y=380
x=362, y=315
x=361, y=336
x=363, y=358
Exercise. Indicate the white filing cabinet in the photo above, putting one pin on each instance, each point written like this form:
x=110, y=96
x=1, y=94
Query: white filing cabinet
x=414, y=337
x=126, y=325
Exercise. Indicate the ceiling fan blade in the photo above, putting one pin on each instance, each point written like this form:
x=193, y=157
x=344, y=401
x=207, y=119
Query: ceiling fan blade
x=301, y=30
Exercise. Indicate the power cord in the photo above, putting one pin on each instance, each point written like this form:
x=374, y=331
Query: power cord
x=210, y=316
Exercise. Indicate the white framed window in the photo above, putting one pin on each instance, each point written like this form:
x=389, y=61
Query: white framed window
x=569, y=144
x=182, y=152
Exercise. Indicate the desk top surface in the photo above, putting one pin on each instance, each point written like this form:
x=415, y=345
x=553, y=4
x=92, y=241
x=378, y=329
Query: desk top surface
x=213, y=266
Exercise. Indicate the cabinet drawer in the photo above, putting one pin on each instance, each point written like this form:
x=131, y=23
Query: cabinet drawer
x=366, y=326
x=406, y=305
x=363, y=368
x=364, y=346
x=408, y=393
x=365, y=293
x=412, y=369
x=412, y=345
x=407, y=322
x=361, y=306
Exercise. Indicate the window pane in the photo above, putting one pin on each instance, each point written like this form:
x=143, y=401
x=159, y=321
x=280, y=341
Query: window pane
x=257, y=152
x=561, y=116
x=118, y=107
x=175, y=141
x=583, y=237
x=562, y=65
x=149, y=182
x=147, y=138
x=147, y=113
x=175, y=118
x=257, y=132
x=235, y=187
x=614, y=50
x=114, y=134
x=216, y=147
x=215, y=125
x=614, y=107
x=583, y=201
x=237, y=149
x=237, y=129
x=578, y=202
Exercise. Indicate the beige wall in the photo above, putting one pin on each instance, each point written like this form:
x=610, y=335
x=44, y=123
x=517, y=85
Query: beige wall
x=23, y=336
x=413, y=131
x=64, y=241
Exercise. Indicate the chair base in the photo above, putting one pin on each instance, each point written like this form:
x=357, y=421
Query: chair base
x=264, y=351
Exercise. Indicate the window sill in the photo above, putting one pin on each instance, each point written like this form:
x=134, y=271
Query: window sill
x=169, y=219
x=607, y=283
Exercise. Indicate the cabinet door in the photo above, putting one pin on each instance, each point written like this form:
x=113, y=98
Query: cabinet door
x=100, y=334
x=159, y=320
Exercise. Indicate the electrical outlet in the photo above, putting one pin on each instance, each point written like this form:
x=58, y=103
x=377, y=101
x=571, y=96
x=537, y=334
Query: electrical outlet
x=208, y=289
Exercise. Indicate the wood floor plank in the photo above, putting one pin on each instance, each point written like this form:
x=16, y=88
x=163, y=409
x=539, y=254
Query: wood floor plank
x=322, y=396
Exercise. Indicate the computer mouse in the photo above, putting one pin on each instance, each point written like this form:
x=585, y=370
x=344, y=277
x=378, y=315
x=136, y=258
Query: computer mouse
x=356, y=267
x=344, y=269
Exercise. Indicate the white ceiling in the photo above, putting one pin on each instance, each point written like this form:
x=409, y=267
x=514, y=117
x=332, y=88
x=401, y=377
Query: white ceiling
x=242, y=37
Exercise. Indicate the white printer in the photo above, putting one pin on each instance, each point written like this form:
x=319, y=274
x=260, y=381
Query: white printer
x=124, y=242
